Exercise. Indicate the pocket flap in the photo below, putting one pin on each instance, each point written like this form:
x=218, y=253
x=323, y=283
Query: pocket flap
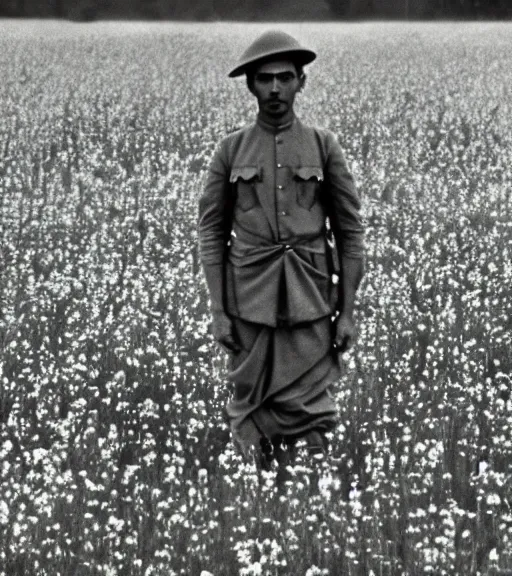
x=309, y=173
x=246, y=173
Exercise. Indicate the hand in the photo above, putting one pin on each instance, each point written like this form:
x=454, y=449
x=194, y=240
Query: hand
x=222, y=329
x=345, y=333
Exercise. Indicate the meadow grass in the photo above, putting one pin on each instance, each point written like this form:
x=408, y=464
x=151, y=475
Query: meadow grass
x=115, y=458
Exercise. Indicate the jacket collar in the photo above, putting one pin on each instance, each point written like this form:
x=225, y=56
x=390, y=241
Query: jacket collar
x=273, y=128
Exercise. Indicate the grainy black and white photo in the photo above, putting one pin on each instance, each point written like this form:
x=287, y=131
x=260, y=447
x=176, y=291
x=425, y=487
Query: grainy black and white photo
x=255, y=288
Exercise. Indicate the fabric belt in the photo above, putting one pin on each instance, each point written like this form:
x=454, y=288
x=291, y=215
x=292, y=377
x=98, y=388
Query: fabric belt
x=278, y=283
x=248, y=248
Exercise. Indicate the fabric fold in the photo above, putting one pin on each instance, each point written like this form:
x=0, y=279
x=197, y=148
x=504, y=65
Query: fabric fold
x=281, y=381
x=282, y=275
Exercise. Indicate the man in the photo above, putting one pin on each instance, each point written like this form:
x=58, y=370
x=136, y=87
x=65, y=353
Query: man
x=267, y=260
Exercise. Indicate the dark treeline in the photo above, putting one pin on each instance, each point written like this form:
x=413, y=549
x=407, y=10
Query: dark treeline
x=256, y=9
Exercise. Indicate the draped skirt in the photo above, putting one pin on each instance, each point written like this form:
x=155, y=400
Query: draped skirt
x=281, y=381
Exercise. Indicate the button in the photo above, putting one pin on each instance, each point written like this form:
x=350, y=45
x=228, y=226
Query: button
x=280, y=187
x=287, y=247
x=279, y=141
x=279, y=165
x=283, y=213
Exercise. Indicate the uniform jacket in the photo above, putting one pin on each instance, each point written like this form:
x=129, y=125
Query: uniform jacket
x=262, y=217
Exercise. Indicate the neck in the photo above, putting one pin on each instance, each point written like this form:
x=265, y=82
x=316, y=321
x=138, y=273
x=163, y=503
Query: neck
x=276, y=122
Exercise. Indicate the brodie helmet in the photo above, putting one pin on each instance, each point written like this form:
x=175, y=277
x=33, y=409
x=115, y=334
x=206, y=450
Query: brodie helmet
x=269, y=45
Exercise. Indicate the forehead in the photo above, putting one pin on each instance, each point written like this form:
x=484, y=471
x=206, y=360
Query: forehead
x=276, y=67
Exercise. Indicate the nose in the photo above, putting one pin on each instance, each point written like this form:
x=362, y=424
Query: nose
x=275, y=85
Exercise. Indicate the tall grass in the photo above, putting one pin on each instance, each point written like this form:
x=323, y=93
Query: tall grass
x=114, y=454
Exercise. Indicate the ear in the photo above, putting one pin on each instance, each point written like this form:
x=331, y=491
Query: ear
x=302, y=82
x=249, y=78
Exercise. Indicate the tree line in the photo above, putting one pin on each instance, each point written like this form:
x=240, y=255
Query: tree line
x=254, y=9
x=421, y=8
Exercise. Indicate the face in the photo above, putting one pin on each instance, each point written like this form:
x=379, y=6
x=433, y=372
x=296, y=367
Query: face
x=275, y=85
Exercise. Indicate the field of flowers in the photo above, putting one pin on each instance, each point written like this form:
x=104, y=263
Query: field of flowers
x=114, y=454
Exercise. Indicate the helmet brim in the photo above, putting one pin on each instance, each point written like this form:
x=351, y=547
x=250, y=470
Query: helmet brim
x=300, y=56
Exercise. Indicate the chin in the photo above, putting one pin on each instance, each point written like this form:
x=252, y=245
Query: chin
x=281, y=111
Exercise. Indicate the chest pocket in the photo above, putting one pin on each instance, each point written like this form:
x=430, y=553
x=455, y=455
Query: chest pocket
x=308, y=180
x=244, y=179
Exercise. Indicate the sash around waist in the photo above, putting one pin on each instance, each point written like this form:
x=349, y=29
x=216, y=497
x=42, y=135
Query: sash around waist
x=247, y=248
x=278, y=283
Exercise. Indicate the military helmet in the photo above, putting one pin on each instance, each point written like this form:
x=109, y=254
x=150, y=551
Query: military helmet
x=269, y=45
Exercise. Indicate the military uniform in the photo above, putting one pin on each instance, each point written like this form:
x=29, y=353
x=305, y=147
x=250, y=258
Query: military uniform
x=262, y=221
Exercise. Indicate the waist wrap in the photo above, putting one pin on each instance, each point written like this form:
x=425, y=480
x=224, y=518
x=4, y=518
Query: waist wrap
x=278, y=283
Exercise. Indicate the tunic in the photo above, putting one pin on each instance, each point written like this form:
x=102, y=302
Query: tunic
x=262, y=219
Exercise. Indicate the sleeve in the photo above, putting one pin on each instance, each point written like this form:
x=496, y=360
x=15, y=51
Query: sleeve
x=215, y=211
x=343, y=202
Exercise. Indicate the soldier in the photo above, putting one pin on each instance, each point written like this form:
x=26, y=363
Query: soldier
x=276, y=306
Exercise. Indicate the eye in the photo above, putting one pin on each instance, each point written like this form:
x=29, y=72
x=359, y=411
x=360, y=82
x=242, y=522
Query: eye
x=264, y=78
x=281, y=77
x=285, y=77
